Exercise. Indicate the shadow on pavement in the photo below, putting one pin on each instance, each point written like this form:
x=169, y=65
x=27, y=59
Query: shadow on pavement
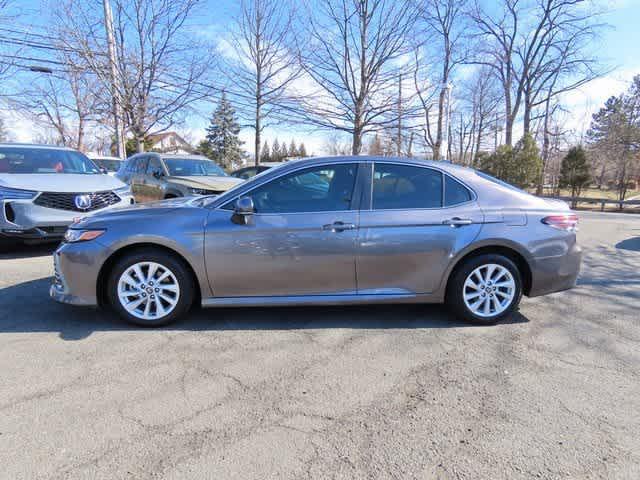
x=632, y=244
x=27, y=251
x=26, y=308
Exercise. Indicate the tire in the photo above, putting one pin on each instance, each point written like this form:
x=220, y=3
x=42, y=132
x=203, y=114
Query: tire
x=502, y=292
x=7, y=244
x=173, y=294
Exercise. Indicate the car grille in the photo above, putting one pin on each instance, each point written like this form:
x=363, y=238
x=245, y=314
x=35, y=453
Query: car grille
x=67, y=201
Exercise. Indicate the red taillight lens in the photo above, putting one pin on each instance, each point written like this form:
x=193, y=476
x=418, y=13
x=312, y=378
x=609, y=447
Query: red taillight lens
x=567, y=222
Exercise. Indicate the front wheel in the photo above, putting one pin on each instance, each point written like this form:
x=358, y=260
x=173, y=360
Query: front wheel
x=485, y=289
x=150, y=288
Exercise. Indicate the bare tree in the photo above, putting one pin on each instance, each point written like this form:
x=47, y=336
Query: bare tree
x=531, y=44
x=353, y=55
x=159, y=66
x=67, y=103
x=443, y=23
x=264, y=66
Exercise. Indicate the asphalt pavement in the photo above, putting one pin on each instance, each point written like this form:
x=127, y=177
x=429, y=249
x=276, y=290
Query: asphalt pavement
x=360, y=392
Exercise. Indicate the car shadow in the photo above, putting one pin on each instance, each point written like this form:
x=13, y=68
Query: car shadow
x=632, y=244
x=27, y=308
x=27, y=251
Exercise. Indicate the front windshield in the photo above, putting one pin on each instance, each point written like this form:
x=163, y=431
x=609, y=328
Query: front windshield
x=108, y=164
x=44, y=160
x=193, y=167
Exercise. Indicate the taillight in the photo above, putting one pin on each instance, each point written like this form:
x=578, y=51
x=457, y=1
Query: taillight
x=568, y=222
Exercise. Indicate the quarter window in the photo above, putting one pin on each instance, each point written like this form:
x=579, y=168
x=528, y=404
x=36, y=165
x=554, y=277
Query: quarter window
x=404, y=186
x=317, y=189
x=454, y=192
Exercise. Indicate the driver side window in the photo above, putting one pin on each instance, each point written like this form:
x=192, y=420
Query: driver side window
x=317, y=189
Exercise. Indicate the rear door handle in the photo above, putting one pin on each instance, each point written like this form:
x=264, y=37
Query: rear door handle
x=458, y=222
x=339, y=226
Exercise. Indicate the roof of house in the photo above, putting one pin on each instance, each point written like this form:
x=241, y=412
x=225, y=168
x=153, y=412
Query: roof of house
x=158, y=137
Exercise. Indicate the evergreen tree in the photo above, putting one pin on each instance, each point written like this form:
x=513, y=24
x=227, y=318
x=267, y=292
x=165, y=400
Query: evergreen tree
x=293, y=150
x=302, y=151
x=276, y=152
x=519, y=165
x=224, y=144
x=615, y=132
x=265, y=153
x=575, y=171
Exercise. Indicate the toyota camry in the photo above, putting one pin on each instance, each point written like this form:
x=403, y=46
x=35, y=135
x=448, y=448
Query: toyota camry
x=340, y=230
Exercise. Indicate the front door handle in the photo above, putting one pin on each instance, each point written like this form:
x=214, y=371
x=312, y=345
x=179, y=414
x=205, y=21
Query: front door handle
x=339, y=226
x=458, y=222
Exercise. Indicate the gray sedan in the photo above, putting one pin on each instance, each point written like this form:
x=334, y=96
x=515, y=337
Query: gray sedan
x=326, y=231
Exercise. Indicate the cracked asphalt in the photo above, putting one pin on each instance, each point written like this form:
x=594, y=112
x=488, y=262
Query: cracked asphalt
x=361, y=392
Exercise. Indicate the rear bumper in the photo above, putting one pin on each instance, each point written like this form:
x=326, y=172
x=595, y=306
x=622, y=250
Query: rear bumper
x=555, y=274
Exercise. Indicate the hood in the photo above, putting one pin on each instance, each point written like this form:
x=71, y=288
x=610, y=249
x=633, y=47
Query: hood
x=133, y=213
x=60, y=182
x=209, y=182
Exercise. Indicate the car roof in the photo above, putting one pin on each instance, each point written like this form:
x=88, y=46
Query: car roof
x=94, y=156
x=35, y=145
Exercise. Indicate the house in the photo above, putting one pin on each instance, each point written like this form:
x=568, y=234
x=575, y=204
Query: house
x=169, y=142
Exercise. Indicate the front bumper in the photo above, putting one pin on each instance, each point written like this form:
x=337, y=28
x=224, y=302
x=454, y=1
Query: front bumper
x=29, y=221
x=557, y=273
x=76, y=271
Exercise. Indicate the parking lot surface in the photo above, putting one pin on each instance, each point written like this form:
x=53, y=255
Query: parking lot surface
x=360, y=392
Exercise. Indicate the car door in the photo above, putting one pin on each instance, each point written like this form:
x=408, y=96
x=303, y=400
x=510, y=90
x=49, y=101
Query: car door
x=411, y=228
x=300, y=241
x=154, y=179
x=137, y=177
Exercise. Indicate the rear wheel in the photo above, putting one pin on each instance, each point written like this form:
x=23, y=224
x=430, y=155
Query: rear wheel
x=485, y=289
x=150, y=288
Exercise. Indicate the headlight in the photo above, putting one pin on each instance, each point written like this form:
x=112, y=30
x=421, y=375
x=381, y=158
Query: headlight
x=201, y=191
x=73, y=235
x=126, y=190
x=16, y=194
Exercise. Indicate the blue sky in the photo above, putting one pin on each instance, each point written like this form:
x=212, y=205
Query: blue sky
x=618, y=48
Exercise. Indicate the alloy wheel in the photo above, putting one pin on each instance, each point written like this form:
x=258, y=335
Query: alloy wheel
x=148, y=290
x=489, y=290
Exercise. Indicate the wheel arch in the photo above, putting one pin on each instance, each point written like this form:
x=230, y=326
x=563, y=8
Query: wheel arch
x=103, y=275
x=512, y=252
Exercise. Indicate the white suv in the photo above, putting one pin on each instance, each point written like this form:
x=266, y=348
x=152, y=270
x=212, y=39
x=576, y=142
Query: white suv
x=44, y=188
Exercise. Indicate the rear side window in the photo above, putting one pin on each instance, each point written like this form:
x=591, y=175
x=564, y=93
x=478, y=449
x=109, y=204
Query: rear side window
x=404, y=186
x=454, y=192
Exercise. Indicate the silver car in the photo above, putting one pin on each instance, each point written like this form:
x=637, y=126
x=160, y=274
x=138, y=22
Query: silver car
x=44, y=188
x=326, y=231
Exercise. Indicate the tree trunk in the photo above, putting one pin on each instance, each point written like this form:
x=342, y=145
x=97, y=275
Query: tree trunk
x=257, y=137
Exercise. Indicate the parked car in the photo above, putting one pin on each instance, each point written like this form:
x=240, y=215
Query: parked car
x=326, y=231
x=44, y=188
x=251, y=171
x=108, y=165
x=155, y=176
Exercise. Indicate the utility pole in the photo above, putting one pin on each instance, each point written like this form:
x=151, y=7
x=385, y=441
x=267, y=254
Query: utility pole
x=399, y=139
x=121, y=151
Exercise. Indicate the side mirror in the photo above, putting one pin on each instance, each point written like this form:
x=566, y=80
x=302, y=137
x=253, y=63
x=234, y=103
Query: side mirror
x=103, y=170
x=157, y=174
x=243, y=210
